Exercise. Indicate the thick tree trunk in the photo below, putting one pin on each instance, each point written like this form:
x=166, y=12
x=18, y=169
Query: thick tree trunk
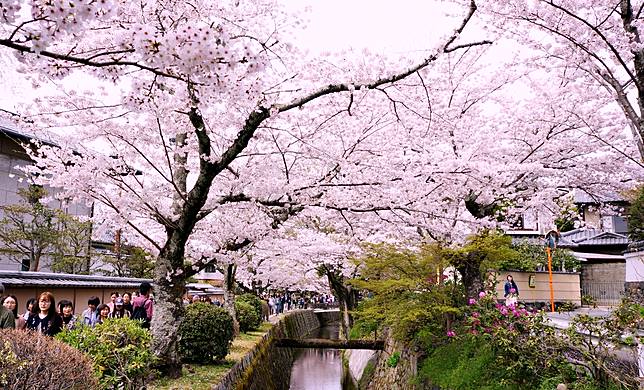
x=347, y=300
x=168, y=309
x=470, y=269
x=229, y=295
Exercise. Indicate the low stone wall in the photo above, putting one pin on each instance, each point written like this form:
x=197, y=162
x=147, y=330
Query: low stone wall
x=268, y=367
x=398, y=377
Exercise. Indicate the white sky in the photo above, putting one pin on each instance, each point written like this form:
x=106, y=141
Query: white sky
x=380, y=25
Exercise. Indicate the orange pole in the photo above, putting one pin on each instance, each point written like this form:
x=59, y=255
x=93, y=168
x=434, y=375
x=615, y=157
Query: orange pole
x=552, y=291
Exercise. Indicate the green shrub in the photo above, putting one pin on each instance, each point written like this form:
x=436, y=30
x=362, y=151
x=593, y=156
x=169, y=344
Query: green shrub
x=588, y=300
x=246, y=316
x=465, y=363
x=119, y=349
x=256, y=303
x=206, y=333
x=32, y=360
x=393, y=359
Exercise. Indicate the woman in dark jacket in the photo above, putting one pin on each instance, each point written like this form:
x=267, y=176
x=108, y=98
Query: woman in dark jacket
x=511, y=291
x=45, y=319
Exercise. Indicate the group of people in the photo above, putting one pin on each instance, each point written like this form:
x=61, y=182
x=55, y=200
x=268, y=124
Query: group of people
x=42, y=314
x=279, y=303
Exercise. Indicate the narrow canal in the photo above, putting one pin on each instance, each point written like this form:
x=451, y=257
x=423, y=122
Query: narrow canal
x=317, y=368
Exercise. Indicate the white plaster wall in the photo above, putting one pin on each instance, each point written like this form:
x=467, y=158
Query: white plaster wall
x=634, y=266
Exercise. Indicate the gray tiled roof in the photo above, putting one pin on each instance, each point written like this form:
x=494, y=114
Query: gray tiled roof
x=23, y=135
x=582, y=196
x=26, y=279
x=594, y=237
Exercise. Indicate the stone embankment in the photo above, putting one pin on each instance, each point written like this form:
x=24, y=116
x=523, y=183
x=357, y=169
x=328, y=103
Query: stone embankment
x=394, y=368
x=268, y=367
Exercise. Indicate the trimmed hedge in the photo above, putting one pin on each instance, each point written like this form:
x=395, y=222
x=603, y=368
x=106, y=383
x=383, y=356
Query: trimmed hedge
x=206, y=333
x=256, y=303
x=247, y=316
x=119, y=349
x=34, y=361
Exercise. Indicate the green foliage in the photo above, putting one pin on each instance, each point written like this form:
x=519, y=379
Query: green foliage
x=28, y=229
x=593, y=340
x=406, y=293
x=566, y=306
x=256, y=303
x=393, y=359
x=119, y=349
x=206, y=333
x=70, y=250
x=489, y=247
x=34, y=361
x=530, y=257
x=134, y=262
x=588, y=300
x=247, y=316
x=636, y=214
x=465, y=363
x=31, y=229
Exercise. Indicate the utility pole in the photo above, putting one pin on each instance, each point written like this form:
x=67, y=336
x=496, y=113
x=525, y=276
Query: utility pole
x=552, y=237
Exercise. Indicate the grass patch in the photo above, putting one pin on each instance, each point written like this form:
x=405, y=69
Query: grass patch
x=462, y=365
x=203, y=376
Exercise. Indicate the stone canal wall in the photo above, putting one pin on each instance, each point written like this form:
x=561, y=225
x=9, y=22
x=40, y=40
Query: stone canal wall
x=268, y=367
x=395, y=368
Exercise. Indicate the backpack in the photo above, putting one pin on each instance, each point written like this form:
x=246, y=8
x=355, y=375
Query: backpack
x=139, y=313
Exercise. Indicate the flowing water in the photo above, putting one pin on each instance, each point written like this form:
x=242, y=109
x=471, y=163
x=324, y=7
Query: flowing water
x=318, y=368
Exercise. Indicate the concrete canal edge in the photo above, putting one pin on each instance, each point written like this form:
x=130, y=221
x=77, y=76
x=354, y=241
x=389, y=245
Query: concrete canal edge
x=267, y=367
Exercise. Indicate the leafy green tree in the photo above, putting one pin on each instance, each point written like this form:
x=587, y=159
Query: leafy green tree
x=31, y=230
x=481, y=252
x=406, y=292
x=71, y=251
x=28, y=229
x=530, y=257
x=131, y=262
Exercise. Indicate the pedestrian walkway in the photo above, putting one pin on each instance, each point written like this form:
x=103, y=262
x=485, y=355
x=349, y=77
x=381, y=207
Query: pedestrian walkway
x=562, y=320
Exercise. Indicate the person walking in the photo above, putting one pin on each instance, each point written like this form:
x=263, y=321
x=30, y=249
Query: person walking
x=7, y=319
x=143, y=305
x=11, y=303
x=46, y=320
x=90, y=315
x=66, y=311
x=119, y=309
x=511, y=291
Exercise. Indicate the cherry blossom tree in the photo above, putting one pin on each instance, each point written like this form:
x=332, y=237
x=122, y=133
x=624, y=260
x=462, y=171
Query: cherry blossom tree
x=172, y=102
x=209, y=140
x=598, y=40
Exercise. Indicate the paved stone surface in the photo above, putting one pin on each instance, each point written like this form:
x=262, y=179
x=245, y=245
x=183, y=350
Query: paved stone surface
x=562, y=320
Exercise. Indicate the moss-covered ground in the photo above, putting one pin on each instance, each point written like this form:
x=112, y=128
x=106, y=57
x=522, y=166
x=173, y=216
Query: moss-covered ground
x=202, y=377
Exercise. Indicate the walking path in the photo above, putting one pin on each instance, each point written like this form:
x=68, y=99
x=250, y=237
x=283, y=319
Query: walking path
x=562, y=320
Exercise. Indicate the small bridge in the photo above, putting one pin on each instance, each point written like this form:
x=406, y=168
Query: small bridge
x=333, y=344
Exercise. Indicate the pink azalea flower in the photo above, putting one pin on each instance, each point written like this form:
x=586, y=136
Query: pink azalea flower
x=481, y=294
x=475, y=314
x=451, y=333
x=472, y=301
